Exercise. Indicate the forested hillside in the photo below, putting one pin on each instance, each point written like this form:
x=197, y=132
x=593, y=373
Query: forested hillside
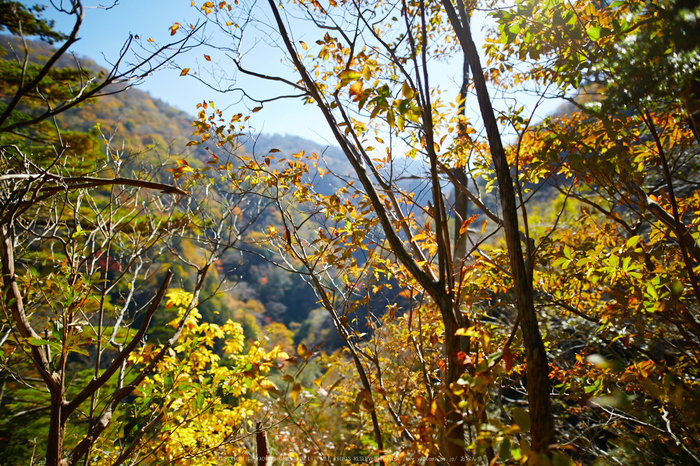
x=134, y=122
x=133, y=135
x=493, y=289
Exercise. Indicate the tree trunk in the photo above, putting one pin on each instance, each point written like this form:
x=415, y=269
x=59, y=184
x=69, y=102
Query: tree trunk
x=542, y=420
x=57, y=430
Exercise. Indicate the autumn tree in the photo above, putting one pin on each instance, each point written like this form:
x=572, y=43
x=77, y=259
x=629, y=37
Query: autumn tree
x=380, y=70
x=625, y=155
x=87, y=230
x=616, y=256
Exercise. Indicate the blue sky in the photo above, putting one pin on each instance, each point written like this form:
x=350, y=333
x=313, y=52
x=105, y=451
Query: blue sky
x=104, y=32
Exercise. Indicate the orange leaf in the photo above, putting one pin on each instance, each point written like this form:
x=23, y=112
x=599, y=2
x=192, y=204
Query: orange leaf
x=303, y=45
x=508, y=359
x=356, y=88
x=184, y=71
x=207, y=57
x=462, y=358
x=466, y=223
x=421, y=404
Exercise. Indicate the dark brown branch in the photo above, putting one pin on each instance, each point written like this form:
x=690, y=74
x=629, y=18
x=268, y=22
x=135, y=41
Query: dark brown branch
x=114, y=77
x=537, y=364
x=685, y=239
x=72, y=38
x=91, y=182
x=395, y=242
x=12, y=299
x=96, y=383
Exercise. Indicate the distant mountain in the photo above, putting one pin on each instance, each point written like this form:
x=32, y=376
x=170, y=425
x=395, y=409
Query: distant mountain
x=133, y=118
x=134, y=121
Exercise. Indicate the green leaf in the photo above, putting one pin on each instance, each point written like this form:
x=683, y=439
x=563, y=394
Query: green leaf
x=594, y=32
x=521, y=418
x=676, y=289
x=37, y=341
x=504, y=450
x=561, y=459
x=632, y=242
x=79, y=350
x=567, y=252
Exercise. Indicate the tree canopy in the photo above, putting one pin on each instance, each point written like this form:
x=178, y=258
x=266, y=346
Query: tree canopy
x=505, y=289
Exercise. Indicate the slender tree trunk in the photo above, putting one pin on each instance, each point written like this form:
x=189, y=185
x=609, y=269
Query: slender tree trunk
x=261, y=446
x=57, y=430
x=461, y=206
x=542, y=419
x=453, y=446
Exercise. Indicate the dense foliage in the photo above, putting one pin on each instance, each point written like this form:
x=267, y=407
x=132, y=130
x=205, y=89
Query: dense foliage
x=582, y=328
x=558, y=325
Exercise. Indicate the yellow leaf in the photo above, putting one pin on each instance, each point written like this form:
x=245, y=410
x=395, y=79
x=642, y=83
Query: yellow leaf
x=295, y=391
x=483, y=226
x=303, y=45
x=366, y=72
x=302, y=351
x=407, y=90
x=348, y=75
x=267, y=384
